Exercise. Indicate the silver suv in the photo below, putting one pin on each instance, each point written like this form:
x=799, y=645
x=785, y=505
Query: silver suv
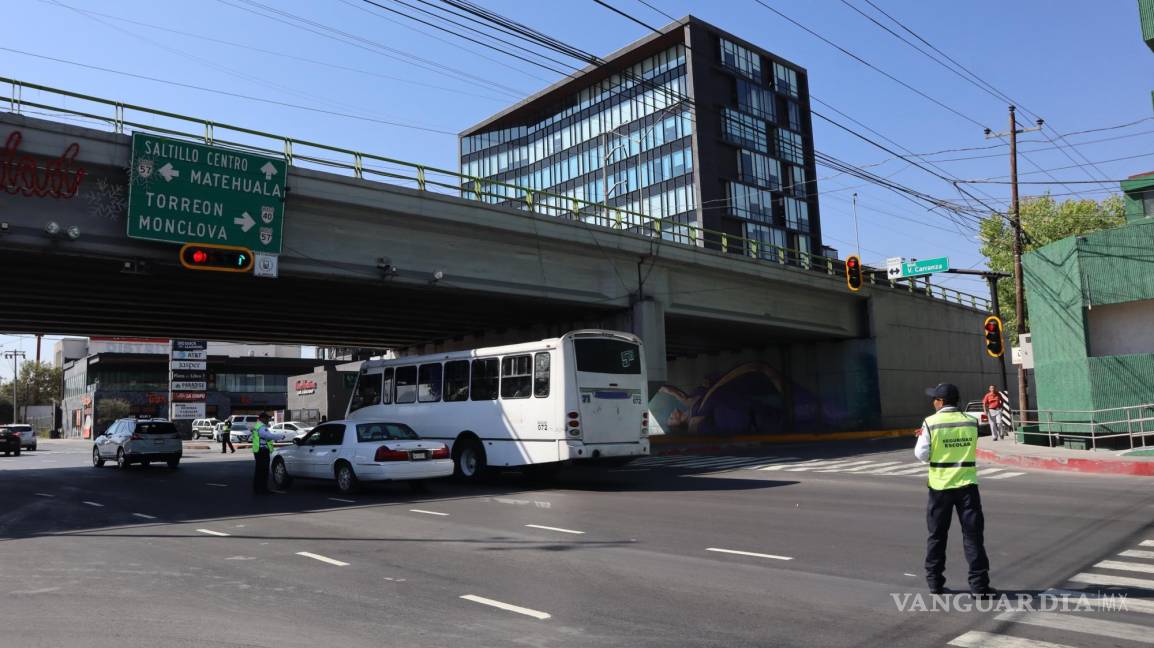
x=142, y=441
x=27, y=435
x=204, y=428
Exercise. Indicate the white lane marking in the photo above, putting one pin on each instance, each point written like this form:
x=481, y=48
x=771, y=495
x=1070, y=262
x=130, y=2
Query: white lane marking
x=557, y=529
x=844, y=467
x=976, y=639
x=782, y=466
x=1112, y=581
x=1129, y=604
x=45, y=495
x=982, y=472
x=712, y=461
x=96, y=504
x=145, y=516
x=217, y=485
x=1089, y=625
x=42, y=590
x=731, y=464
x=659, y=460
x=541, y=616
x=892, y=469
x=765, y=462
x=820, y=463
x=1008, y=475
x=871, y=466
x=829, y=467
x=1136, y=553
x=748, y=553
x=919, y=470
x=1146, y=543
x=1125, y=566
x=212, y=533
x=346, y=501
x=324, y=559
x=909, y=574
x=427, y=512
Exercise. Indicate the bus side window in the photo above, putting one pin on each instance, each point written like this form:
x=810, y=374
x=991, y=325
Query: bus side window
x=429, y=383
x=406, y=378
x=456, y=381
x=485, y=379
x=387, y=390
x=516, y=376
x=541, y=375
x=368, y=392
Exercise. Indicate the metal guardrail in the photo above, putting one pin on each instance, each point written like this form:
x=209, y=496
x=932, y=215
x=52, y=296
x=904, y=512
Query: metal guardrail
x=1134, y=423
x=306, y=153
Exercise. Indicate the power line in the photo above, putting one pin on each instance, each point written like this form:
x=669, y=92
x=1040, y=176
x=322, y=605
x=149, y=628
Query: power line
x=647, y=4
x=627, y=16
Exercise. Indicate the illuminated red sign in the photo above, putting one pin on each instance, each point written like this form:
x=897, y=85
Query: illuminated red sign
x=24, y=174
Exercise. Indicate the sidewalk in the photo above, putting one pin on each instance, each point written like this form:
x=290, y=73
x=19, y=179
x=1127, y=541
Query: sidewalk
x=1103, y=462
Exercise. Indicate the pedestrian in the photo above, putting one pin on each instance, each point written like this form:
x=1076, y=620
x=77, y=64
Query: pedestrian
x=948, y=442
x=992, y=406
x=226, y=436
x=324, y=419
x=262, y=439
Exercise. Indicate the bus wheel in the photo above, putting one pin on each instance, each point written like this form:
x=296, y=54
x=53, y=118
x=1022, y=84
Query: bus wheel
x=470, y=463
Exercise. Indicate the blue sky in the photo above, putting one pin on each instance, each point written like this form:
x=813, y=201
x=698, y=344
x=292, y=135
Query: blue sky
x=1079, y=65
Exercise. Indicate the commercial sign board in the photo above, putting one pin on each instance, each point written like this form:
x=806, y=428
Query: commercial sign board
x=186, y=376
x=188, y=397
x=189, y=365
x=305, y=387
x=181, y=192
x=187, y=411
x=188, y=385
x=187, y=379
x=189, y=355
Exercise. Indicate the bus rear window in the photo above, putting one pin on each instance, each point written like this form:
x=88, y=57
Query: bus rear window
x=607, y=356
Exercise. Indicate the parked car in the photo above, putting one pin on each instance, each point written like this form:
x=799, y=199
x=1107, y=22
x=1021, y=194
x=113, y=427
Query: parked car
x=27, y=435
x=351, y=452
x=291, y=429
x=144, y=440
x=205, y=427
x=973, y=409
x=10, y=441
x=240, y=432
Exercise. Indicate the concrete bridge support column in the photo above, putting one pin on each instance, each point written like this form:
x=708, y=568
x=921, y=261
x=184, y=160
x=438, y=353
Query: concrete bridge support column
x=647, y=321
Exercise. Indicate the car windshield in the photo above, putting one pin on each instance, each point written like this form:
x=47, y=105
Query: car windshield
x=158, y=427
x=367, y=432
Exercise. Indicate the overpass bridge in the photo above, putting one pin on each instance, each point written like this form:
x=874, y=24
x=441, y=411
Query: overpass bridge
x=384, y=253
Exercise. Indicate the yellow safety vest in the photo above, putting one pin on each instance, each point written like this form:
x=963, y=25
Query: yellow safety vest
x=953, y=450
x=256, y=438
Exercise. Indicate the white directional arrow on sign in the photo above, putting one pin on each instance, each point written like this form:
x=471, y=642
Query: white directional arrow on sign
x=245, y=221
x=268, y=170
x=168, y=172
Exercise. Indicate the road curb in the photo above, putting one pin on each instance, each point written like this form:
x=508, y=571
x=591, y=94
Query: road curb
x=678, y=444
x=1071, y=464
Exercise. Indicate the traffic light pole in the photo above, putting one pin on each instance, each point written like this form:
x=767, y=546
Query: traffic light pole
x=995, y=305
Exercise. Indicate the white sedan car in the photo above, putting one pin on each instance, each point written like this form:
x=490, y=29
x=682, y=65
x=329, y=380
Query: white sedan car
x=351, y=452
x=290, y=429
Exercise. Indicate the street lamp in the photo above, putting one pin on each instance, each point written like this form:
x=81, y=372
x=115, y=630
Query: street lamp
x=14, y=355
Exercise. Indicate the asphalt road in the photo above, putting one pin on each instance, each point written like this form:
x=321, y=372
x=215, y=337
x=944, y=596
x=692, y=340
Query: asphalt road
x=642, y=556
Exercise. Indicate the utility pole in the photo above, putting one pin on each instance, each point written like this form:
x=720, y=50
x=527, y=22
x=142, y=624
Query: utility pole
x=15, y=374
x=856, y=235
x=1016, y=223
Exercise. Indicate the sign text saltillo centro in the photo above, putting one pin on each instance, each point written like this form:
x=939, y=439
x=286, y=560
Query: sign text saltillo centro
x=181, y=192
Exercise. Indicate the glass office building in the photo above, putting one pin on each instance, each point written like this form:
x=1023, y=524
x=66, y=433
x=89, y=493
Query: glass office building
x=693, y=126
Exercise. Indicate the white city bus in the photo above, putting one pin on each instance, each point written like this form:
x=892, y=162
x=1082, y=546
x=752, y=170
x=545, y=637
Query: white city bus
x=579, y=397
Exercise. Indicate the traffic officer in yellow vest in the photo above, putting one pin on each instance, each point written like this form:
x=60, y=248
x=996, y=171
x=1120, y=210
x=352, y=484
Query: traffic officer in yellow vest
x=948, y=441
x=262, y=439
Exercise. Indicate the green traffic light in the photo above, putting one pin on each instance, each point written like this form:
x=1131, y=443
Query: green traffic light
x=240, y=260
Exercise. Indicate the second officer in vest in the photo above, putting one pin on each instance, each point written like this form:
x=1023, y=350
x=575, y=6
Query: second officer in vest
x=949, y=442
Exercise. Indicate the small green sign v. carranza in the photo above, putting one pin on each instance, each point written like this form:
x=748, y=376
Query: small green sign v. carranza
x=181, y=192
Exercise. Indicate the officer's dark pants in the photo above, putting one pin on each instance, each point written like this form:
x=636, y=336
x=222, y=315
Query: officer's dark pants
x=938, y=514
x=260, y=471
x=226, y=443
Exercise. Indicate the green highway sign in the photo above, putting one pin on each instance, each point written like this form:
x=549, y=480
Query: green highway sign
x=180, y=192
x=896, y=268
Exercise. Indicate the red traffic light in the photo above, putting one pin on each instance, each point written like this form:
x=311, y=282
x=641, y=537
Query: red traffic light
x=851, y=262
x=853, y=277
x=993, y=329
x=216, y=258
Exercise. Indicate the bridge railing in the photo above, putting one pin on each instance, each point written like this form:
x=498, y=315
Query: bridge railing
x=304, y=153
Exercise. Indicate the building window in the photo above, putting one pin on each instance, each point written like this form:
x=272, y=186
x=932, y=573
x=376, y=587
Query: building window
x=785, y=80
x=744, y=130
x=795, y=178
x=796, y=215
x=1147, y=198
x=456, y=381
x=768, y=242
x=755, y=100
x=740, y=59
x=750, y=202
x=406, y=385
x=790, y=147
x=792, y=116
x=758, y=169
x=516, y=376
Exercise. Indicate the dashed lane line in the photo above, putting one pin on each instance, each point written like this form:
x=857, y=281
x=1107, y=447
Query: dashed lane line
x=217, y=485
x=557, y=529
x=748, y=553
x=96, y=504
x=213, y=533
x=324, y=559
x=536, y=614
x=144, y=516
x=45, y=495
x=346, y=501
x=428, y=512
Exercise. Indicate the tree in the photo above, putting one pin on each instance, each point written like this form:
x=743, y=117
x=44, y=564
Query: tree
x=109, y=410
x=1044, y=220
x=39, y=384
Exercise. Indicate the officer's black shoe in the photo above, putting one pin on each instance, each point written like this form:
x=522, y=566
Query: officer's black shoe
x=937, y=589
x=986, y=592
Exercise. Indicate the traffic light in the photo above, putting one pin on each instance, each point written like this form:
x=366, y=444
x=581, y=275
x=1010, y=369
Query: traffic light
x=853, y=273
x=993, y=330
x=216, y=258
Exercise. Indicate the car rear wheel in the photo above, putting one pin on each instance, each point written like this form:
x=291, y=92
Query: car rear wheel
x=281, y=478
x=470, y=460
x=121, y=459
x=97, y=461
x=346, y=479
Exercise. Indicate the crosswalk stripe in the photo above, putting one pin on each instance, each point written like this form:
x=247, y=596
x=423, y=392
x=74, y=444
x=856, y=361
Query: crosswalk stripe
x=890, y=470
x=916, y=470
x=982, y=472
x=731, y=465
x=1112, y=581
x=976, y=639
x=870, y=466
x=655, y=460
x=845, y=466
x=1125, y=566
x=827, y=464
x=764, y=463
x=711, y=462
x=1116, y=603
x=1146, y=543
x=1136, y=553
x=783, y=466
x=1008, y=475
x=1084, y=624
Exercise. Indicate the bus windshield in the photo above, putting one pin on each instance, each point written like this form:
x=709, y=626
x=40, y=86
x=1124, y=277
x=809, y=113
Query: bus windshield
x=608, y=356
